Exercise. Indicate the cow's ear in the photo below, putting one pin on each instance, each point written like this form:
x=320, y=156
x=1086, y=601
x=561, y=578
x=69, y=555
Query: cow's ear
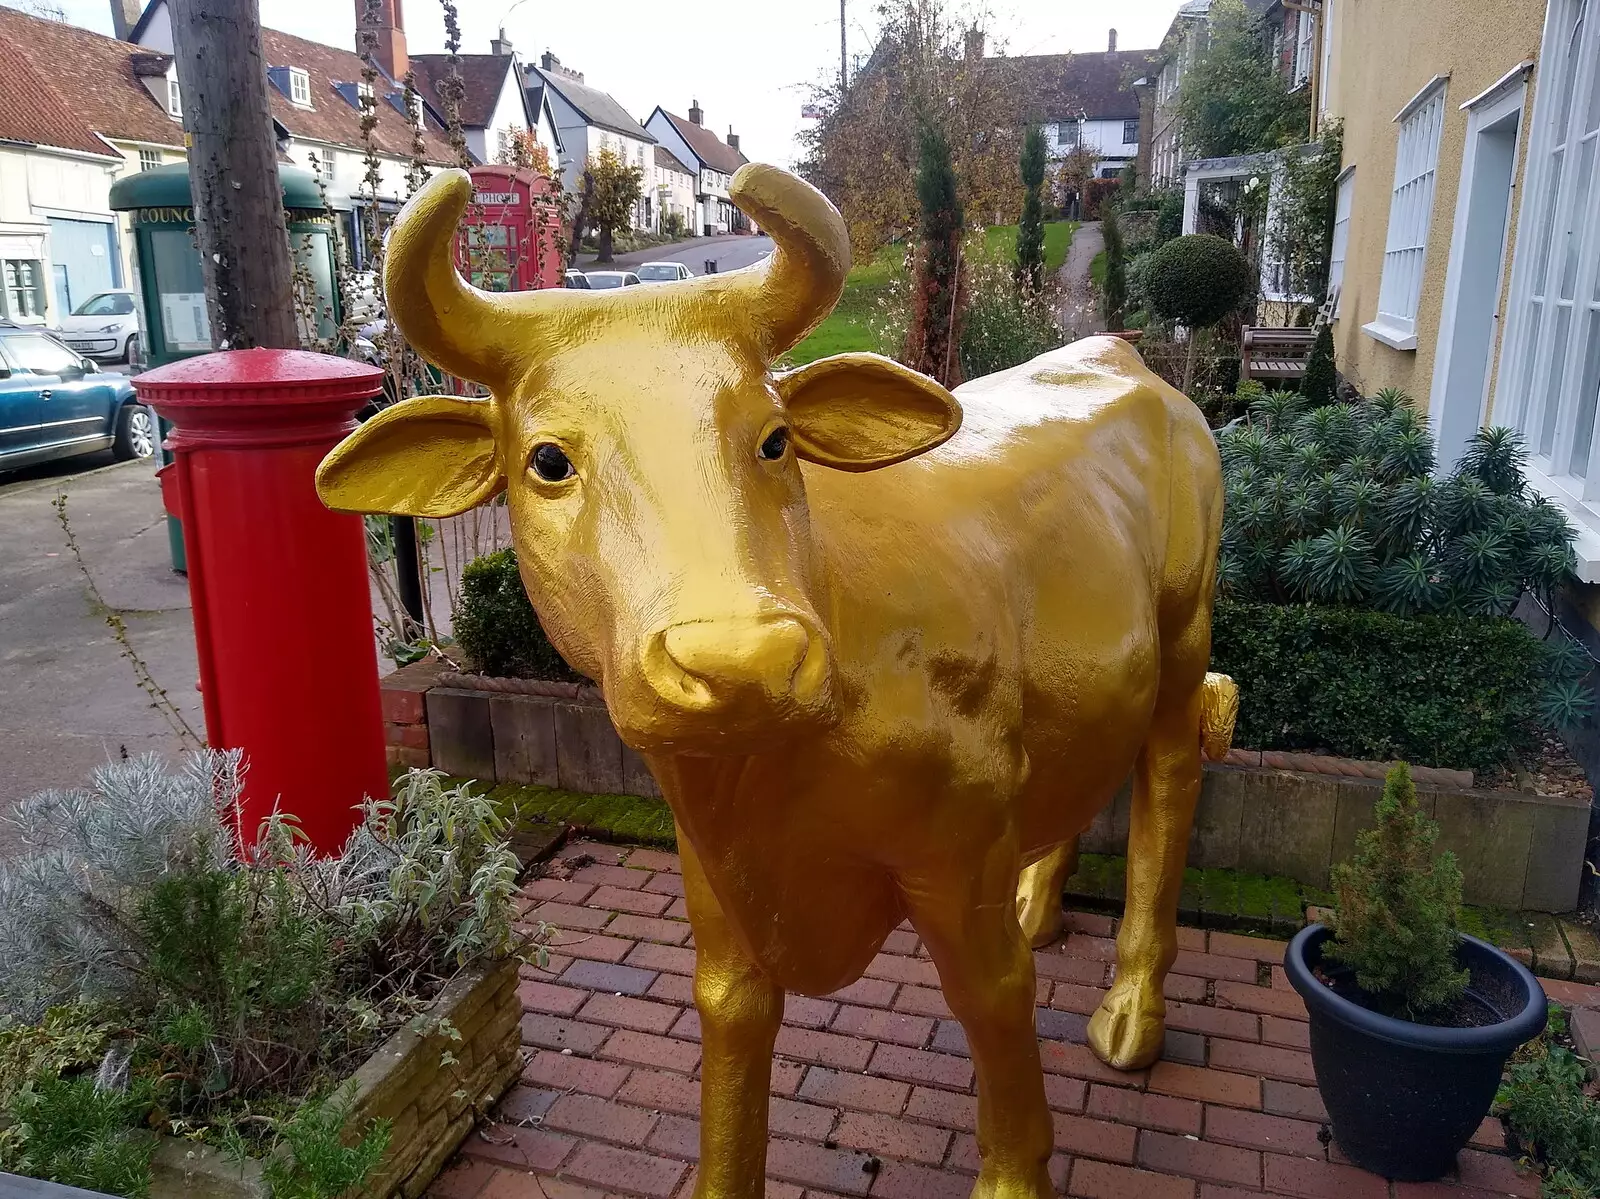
x=862, y=411
x=427, y=456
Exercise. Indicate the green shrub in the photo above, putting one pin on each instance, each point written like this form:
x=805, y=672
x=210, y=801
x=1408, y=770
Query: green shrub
x=74, y=1133
x=1197, y=280
x=210, y=992
x=1003, y=326
x=1114, y=287
x=1321, y=383
x=1453, y=691
x=1396, y=909
x=314, y=1162
x=1545, y=1104
x=497, y=627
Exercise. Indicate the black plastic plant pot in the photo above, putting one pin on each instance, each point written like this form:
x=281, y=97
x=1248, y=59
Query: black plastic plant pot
x=1405, y=1098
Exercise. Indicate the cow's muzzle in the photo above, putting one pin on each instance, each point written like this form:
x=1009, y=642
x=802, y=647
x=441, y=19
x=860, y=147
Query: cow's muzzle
x=719, y=682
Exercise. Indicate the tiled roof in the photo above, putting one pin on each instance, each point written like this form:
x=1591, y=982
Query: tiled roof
x=331, y=117
x=666, y=161
x=594, y=105
x=482, y=78
x=707, y=146
x=32, y=111
x=1055, y=86
x=97, y=72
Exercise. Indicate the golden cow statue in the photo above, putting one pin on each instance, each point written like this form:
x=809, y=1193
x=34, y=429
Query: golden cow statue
x=887, y=651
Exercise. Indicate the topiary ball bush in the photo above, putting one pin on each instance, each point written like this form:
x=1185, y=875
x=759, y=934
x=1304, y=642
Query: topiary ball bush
x=497, y=627
x=1197, y=280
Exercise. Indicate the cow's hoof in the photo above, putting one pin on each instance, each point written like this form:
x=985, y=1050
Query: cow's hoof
x=1040, y=915
x=993, y=1186
x=1128, y=1029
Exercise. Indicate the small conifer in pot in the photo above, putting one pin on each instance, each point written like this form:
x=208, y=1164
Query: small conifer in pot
x=1410, y=1022
x=1398, y=909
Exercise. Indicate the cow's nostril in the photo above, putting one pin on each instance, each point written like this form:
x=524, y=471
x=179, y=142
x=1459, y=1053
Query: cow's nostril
x=734, y=655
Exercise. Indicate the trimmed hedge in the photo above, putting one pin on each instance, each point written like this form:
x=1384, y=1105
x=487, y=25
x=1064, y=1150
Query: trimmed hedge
x=498, y=629
x=1452, y=691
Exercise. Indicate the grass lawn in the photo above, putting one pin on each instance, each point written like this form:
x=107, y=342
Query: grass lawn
x=1097, y=271
x=849, y=327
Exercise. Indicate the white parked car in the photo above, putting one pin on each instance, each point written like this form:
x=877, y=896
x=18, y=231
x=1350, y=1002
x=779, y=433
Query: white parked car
x=604, y=280
x=104, y=327
x=663, y=272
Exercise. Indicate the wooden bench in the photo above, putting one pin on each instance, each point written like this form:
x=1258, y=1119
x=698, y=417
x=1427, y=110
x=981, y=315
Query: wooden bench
x=1275, y=355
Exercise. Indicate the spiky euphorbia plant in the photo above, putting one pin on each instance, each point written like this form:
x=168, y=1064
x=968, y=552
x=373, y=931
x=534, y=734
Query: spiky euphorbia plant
x=1339, y=505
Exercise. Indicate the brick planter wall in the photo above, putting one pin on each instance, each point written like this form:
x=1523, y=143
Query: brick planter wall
x=432, y=1106
x=1517, y=851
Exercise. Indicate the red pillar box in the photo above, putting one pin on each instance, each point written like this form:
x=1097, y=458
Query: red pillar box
x=282, y=610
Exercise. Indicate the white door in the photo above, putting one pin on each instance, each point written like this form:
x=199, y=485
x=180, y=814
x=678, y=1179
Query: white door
x=1469, y=322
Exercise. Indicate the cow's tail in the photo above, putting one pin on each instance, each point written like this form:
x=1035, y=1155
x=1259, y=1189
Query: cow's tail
x=1219, y=710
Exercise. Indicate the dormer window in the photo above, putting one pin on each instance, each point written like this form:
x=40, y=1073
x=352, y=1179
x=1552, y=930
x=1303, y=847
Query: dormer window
x=174, y=101
x=364, y=90
x=299, y=87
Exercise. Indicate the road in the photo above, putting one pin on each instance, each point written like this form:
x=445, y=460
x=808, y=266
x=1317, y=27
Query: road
x=69, y=700
x=730, y=254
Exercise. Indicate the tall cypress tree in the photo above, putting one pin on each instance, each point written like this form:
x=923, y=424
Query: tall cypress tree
x=932, y=341
x=1030, y=232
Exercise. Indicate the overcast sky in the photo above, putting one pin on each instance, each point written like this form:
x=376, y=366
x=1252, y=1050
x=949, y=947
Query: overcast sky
x=748, y=65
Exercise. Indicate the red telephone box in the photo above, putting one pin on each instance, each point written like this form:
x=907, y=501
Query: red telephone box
x=508, y=239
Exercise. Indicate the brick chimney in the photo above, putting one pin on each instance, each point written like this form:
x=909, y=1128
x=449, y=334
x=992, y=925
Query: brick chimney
x=550, y=63
x=124, y=16
x=500, y=46
x=974, y=44
x=733, y=138
x=697, y=114
x=1111, y=42
x=384, y=20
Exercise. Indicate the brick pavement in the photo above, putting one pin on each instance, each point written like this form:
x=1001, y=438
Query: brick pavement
x=872, y=1087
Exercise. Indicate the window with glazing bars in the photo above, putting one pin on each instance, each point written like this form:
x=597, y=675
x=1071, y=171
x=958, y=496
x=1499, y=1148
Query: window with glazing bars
x=1416, y=168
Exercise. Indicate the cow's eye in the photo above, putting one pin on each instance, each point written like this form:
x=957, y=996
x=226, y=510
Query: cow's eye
x=551, y=463
x=777, y=441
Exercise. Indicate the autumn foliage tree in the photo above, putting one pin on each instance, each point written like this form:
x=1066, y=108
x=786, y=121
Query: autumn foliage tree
x=937, y=297
x=926, y=69
x=617, y=188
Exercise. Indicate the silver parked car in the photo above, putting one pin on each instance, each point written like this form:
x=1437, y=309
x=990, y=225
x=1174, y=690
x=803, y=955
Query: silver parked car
x=663, y=272
x=604, y=280
x=104, y=327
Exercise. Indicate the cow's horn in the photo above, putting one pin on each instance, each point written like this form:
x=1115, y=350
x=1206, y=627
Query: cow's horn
x=802, y=281
x=452, y=324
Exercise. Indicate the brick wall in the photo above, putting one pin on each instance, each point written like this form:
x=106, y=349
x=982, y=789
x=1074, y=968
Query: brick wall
x=405, y=717
x=431, y=1100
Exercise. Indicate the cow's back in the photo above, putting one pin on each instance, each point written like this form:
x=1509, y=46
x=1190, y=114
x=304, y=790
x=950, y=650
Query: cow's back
x=1015, y=582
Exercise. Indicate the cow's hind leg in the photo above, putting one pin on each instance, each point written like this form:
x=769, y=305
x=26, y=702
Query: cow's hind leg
x=1128, y=1029
x=1039, y=893
x=967, y=918
x=740, y=1010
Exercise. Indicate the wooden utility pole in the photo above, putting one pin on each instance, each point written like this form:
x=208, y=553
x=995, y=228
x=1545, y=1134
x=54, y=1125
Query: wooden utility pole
x=844, y=68
x=233, y=174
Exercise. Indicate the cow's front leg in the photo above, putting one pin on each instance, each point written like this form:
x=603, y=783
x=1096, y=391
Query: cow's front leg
x=968, y=919
x=1129, y=1028
x=740, y=1010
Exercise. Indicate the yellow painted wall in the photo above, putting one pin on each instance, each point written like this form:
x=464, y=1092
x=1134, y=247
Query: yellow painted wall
x=1387, y=52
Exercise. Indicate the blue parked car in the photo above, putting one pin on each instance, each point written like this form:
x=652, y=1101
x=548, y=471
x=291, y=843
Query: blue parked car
x=54, y=403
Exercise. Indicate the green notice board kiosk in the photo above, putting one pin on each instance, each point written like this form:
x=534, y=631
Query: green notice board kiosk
x=167, y=262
